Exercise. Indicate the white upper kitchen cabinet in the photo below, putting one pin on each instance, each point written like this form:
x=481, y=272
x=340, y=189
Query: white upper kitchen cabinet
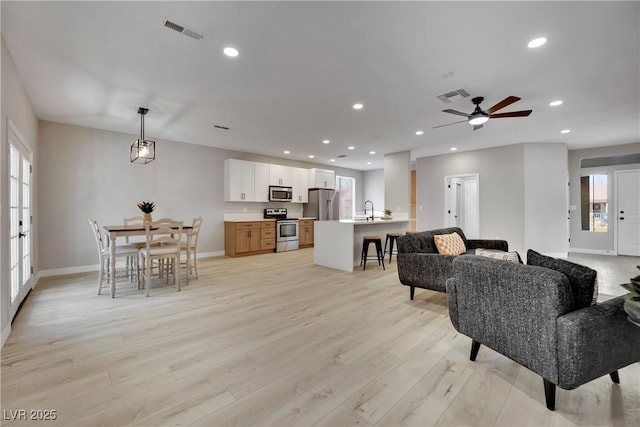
x=300, y=185
x=322, y=178
x=280, y=175
x=245, y=181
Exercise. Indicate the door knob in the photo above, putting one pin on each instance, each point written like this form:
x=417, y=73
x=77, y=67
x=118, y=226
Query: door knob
x=20, y=234
x=621, y=212
x=621, y=218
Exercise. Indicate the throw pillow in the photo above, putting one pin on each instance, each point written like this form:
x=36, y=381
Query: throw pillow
x=449, y=244
x=502, y=255
x=582, y=279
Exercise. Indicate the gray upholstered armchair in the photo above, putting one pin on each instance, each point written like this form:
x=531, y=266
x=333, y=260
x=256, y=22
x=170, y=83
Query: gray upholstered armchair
x=533, y=315
x=421, y=266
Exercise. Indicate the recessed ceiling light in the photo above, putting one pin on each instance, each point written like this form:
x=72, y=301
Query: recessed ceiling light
x=231, y=51
x=453, y=148
x=332, y=160
x=419, y=132
x=372, y=152
x=287, y=151
x=555, y=103
x=565, y=131
x=537, y=42
x=368, y=163
x=326, y=141
x=351, y=147
x=311, y=156
x=358, y=106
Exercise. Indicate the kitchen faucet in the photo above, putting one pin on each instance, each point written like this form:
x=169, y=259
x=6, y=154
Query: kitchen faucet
x=365, y=209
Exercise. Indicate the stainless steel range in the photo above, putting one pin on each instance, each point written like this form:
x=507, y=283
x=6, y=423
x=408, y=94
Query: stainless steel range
x=286, y=229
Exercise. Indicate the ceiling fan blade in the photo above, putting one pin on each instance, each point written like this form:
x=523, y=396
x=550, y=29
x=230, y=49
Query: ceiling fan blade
x=449, y=124
x=523, y=113
x=476, y=127
x=500, y=105
x=459, y=113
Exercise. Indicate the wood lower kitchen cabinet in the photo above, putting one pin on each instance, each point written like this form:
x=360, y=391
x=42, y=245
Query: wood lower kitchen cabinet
x=249, y=238
x=268, y=236
x=305, y=231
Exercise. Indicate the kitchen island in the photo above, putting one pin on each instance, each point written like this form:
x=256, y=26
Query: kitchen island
x=338, y=244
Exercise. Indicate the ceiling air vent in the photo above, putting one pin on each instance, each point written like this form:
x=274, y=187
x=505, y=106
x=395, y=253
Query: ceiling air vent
x=186, y=31
x=453, y=95
x=218, y=127
x=342, y=155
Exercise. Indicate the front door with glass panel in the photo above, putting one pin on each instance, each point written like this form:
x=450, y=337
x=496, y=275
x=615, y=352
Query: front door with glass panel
x=20, y=220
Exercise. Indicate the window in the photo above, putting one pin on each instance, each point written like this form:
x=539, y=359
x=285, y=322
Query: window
x=594, y=203
x=346, y=188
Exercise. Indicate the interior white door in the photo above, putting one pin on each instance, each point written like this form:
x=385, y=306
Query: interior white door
x=20, y=220
x=470, y=226
x=628, y=213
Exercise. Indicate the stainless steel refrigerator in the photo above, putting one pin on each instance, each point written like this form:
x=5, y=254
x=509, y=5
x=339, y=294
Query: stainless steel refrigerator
x=323, y=205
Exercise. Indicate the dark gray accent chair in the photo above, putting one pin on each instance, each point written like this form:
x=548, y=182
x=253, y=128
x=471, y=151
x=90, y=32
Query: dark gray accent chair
x=531, y=315
x=421, y=266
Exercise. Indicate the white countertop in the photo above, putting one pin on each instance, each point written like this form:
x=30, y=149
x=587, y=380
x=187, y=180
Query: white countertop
x=374, y=222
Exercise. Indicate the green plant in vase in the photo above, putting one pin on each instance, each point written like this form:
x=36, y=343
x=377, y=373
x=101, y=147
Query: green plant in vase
x=387, y=214
x=632, y=299
x=147, y=208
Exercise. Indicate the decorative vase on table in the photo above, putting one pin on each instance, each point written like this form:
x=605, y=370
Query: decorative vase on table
x=146, y=208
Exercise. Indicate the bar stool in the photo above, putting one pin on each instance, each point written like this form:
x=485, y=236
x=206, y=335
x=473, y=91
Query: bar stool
x=391, y=238
x=366, y=241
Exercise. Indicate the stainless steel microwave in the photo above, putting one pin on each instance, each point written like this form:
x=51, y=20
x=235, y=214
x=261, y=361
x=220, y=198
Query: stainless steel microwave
x=280, y=194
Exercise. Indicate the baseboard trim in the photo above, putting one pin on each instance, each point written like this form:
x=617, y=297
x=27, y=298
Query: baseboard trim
x=91, y=268
x=69, y=270
x=209, y=254
x=594, y=251
x=5, y=334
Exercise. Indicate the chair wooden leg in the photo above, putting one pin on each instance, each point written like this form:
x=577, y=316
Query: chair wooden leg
x=550, y=394
x=195, y=264
x=475, y=346
x=412, y=292
x=101, y=276
x=615, y=377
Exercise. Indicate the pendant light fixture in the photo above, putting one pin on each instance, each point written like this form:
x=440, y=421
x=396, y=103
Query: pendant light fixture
x=142, y=150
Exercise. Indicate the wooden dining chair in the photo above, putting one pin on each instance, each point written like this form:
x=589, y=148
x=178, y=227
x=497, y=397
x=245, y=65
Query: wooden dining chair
x=190, y=250
x=130, y=253
x=134, y=220
x=162, y=244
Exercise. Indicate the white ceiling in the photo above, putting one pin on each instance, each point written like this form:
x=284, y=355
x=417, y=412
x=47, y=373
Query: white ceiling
x=302, y=65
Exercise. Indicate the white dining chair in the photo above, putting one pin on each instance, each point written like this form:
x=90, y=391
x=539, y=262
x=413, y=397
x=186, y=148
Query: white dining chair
x=130, y=253
x=190, y=249
x=162, y=244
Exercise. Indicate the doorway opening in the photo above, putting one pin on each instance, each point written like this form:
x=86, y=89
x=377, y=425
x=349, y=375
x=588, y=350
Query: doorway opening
x=461, y=203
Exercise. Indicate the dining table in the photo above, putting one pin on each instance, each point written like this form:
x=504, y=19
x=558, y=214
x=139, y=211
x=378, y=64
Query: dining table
x=115, y=231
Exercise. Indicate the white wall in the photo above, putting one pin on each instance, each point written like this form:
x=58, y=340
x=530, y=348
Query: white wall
x=587, y=241
x=88, y=174
x=397, y=183
x=501, y=184
x=546, y=178
x=522, y=193
x=373, y=189
x=17, y=107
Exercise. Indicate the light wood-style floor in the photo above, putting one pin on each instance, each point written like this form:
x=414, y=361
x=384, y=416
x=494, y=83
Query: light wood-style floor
x=274, y=340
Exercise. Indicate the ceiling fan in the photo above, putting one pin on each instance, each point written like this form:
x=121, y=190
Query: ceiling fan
x=478, y=117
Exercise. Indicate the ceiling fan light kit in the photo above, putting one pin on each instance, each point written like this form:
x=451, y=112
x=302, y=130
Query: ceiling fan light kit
x=479, y=116
x=142, y=150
